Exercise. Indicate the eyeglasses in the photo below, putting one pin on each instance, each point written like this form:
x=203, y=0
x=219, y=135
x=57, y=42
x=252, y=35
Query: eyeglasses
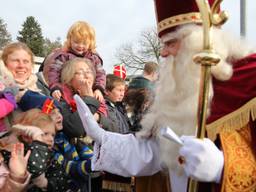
x=82, y=72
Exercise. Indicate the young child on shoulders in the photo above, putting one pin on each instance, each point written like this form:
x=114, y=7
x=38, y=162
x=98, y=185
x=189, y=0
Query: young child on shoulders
x=80, y=42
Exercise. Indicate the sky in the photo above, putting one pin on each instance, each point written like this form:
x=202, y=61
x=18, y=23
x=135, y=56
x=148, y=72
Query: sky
x=115, y=21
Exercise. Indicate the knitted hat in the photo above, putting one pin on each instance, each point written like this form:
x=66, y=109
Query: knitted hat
x=33, y=99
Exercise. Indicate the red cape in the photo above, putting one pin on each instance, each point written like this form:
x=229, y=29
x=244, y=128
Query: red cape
x=234, y=93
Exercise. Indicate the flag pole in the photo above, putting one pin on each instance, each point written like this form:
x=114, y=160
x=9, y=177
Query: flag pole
x=243, y=18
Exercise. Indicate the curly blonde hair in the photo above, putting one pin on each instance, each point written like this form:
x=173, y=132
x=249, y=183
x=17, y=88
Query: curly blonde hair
x=82, y=32
x=34, y=117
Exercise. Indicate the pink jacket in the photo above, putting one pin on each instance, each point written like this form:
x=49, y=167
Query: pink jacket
x=9, y=183
x=5, y=109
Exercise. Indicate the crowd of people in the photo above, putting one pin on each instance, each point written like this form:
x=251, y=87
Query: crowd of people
x=43, y=144
x=72, y=127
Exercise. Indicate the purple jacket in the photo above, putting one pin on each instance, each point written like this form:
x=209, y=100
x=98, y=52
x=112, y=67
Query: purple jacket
x=53, y=65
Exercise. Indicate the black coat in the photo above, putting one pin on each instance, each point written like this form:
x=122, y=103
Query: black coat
x=72, y=124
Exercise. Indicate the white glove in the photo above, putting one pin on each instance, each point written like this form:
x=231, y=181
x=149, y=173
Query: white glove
x=34, y=132
x=91, y=127
x=203, y=160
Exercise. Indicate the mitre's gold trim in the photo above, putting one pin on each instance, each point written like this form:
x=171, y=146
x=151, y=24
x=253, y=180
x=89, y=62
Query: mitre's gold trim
x=193, y=17
x=233, y=121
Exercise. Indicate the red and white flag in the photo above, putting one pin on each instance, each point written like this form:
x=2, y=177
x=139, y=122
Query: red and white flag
x=120, y=71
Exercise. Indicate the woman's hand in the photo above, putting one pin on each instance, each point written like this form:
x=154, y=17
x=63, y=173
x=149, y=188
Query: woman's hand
x=85, y=88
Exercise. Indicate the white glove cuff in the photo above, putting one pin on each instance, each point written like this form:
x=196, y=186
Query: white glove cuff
x=219, y=174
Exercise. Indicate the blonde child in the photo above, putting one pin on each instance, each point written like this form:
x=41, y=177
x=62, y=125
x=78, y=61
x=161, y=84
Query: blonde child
x=80, y=42
x=37, y=131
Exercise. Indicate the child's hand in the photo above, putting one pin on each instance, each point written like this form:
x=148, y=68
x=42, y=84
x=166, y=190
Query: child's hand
x=31, y=131
x=98, y=95
x=41, y=181
x=56, y=94
x=18, y=162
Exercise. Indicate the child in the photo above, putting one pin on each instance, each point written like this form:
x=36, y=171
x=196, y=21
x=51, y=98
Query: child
x=80, y=43
x=37, y=130
x=115, y=89
x=74, y=159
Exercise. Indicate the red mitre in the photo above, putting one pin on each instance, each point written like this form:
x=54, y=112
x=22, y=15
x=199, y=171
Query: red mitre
x=172, y=13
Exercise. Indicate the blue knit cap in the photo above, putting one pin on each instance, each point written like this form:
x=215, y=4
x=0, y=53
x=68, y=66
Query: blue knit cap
x=32, y=99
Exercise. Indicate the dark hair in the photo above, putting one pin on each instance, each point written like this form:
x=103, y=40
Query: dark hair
x=138, y=102
x=139, y=99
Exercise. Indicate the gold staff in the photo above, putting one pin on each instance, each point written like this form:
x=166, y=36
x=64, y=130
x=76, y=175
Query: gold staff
x=206, y=59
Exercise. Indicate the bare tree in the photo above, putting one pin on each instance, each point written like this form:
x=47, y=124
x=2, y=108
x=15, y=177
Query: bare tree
x=134, y=54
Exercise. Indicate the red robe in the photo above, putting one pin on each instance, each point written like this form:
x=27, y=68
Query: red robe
x=232, y=121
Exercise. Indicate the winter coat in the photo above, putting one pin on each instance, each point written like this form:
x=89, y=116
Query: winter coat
x=5, y=109
x=72, y=124
x=9, y=184
x=141, y=82
x=53, y=65
x=118, y=117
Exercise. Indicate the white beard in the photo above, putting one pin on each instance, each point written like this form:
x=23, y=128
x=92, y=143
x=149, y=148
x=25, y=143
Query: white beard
x=175, y=106
x=177, y=94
